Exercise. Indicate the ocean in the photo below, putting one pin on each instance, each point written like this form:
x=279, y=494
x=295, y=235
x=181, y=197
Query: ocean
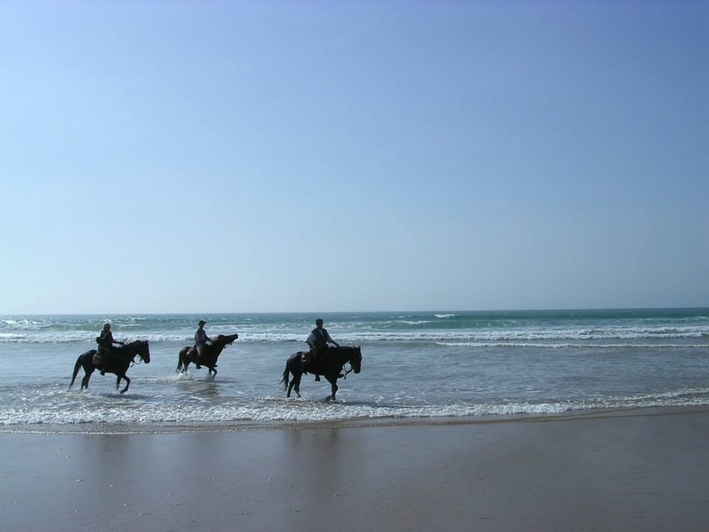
x=417, y=365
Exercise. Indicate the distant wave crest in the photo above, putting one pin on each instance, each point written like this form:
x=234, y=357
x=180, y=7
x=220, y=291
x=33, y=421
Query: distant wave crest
x=475, y=338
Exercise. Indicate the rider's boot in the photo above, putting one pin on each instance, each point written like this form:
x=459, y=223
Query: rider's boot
x=317, y=377
x=196, y=362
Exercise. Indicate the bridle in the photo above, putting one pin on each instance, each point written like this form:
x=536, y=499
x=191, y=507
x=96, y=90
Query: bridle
x=138, y=354
x=351, y=369
x=344, y=375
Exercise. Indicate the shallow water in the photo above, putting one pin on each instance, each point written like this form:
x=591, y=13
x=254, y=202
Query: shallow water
x=415, y=365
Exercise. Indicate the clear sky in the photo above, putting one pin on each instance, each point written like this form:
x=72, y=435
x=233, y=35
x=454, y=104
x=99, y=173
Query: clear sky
x=185, y=156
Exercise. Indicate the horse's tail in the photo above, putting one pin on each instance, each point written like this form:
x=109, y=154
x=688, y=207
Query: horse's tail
x=179, y=361
x=76, y=371
x=286, y=375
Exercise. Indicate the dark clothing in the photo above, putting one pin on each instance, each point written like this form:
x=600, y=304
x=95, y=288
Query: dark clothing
x=320, y=338
x=318, y=341
x=106, y=340
x=200, y=342
x=105, y=348
x=200, y=337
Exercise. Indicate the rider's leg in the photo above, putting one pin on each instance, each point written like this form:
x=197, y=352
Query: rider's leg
x=105, y=358
x=316, y=356
x=200, y=349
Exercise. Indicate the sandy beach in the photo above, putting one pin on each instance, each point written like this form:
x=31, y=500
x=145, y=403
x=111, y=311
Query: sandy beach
x=627, y=471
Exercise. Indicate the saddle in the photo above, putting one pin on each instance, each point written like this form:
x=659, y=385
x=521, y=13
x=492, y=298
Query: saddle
x=313, y=363
x=101, y=356
x=192, y=353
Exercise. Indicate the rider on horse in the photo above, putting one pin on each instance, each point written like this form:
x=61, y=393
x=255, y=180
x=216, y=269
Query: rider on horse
x=318, y=341
x=200, y=341
x=105, y=346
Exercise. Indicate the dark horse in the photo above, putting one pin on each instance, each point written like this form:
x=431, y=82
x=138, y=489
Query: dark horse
x=121, y=360
x=209, y=357
x=329, y=365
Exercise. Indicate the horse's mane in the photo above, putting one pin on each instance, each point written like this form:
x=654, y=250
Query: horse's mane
x=134, y=342
x=348, y=347
x=132, y=346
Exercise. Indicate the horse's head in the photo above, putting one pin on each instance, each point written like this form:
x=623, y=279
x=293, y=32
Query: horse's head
x=136, y=348
x=224, y=340
x=143, y=350
x=356, y=359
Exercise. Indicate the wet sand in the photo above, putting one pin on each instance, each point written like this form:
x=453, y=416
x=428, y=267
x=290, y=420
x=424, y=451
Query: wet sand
x=626, y=471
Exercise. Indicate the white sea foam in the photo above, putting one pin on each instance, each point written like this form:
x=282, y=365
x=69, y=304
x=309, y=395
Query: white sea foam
x=145, y=404
x=571, y=345
x=87, y=408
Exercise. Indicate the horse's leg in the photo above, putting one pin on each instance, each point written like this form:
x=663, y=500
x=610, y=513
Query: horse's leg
x=125, y=377
x=88, y=370
x=295, y=383
x=286, y=376
x=333, y=383
x=183, y=360
x=212, y=372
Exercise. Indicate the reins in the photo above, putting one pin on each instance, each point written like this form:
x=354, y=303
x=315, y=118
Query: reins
x=342, y=365
x=132, y=362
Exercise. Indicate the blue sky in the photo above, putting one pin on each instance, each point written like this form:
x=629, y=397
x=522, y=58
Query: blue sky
x=181, y=156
